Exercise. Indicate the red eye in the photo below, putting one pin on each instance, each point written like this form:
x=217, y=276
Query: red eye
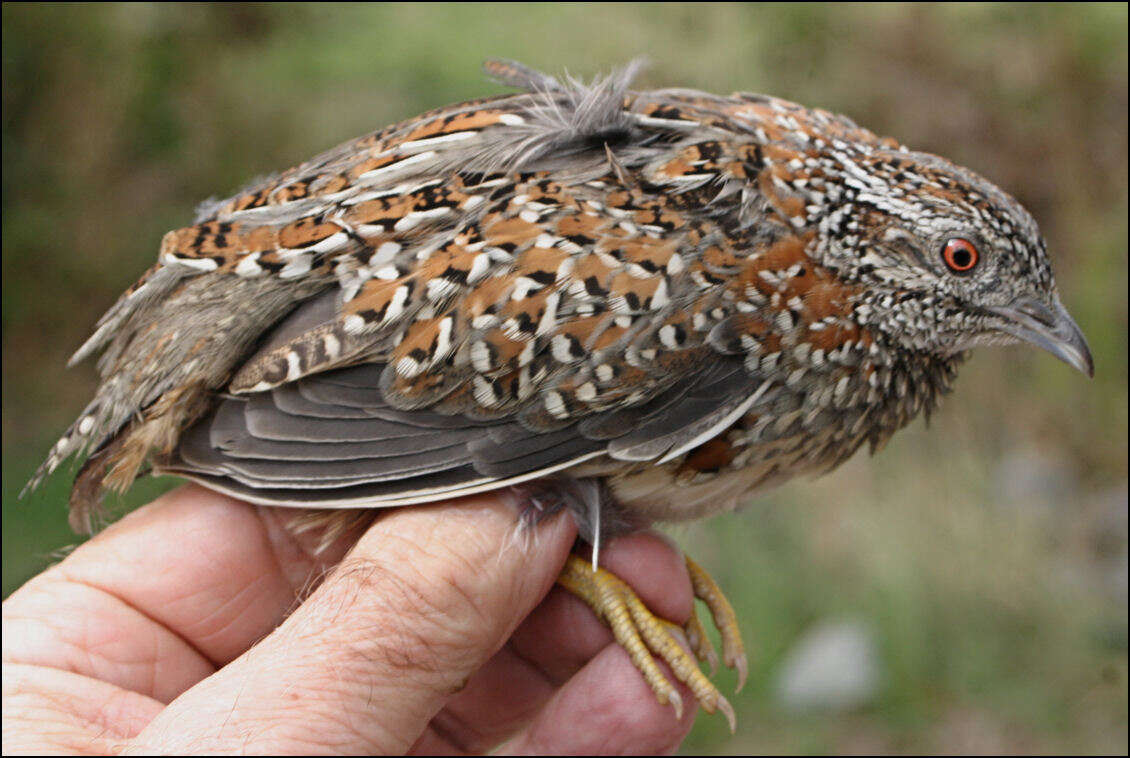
x=960, y=255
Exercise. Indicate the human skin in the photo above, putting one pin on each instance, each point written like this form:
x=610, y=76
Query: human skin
x=199, y=624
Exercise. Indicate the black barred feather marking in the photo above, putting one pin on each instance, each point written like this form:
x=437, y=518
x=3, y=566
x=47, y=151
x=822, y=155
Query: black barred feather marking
x=684, y=294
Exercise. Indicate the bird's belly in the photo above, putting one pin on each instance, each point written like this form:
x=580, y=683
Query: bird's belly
x=680, y=491
x=656, y=494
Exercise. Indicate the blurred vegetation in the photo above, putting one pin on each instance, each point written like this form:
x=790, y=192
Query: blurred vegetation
x=988, y=553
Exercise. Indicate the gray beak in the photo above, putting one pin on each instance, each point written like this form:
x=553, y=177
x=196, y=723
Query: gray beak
x=1052, y=328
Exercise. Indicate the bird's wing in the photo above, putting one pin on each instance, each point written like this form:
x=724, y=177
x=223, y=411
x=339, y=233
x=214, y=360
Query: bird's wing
x=330, y=440
x=545, y=262
x=607, y=294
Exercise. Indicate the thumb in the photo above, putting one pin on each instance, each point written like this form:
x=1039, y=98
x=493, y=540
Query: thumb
x=425, y=598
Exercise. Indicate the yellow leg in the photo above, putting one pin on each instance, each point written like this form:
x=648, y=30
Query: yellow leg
x=700, y=643
x=645, y=636
x=726, y=621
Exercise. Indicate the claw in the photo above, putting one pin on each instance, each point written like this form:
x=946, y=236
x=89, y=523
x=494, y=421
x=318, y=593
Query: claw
x=728, y=712
x=733, y=650
x=676, y=701
x=646, y=637
x=742, y=667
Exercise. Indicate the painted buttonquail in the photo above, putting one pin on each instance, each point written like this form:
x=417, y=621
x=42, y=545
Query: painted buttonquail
x=643, y=305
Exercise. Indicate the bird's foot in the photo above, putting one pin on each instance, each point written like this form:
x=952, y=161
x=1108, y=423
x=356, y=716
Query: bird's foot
x=725, y=621
x=646, y=636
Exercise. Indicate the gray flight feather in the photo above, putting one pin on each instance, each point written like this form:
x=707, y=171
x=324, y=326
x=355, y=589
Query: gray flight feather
x=332, y=432
x=288, y=399
x=229, y=435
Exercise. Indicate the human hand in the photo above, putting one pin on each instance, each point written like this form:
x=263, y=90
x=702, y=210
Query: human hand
x=190, y=626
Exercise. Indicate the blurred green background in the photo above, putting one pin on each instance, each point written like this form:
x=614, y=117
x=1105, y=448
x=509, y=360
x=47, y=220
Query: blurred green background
x=980, y=565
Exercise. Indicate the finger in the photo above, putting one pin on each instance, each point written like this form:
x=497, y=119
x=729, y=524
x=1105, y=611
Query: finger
x=163, y=597
x=47, y=711
x=421, y=603
x=606, y=709
x=499, y=700
x=554, y=642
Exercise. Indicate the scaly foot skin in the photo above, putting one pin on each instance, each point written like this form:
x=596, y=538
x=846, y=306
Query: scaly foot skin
x=725, y=620
x=646, y=636
x=700, y=643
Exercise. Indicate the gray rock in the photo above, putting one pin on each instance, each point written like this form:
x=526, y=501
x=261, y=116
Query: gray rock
x=833, y=667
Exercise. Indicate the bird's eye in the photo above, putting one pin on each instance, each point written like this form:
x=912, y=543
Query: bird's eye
x=960, y=255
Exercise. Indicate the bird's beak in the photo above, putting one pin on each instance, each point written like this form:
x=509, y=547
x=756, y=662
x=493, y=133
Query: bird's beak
x=1051, y=328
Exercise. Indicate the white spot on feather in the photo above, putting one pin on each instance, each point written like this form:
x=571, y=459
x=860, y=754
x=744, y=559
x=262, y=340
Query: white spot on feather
x=485, y=321
x=395, y=168
x=396, y=306
x=668, y=335
x=415, y=218
x=385, y=253
x=296, y=268
x=549, y=318
x=293, y=366
x=440, y=288
x=525, y=386
x=415, y=146
x=443, y=338
x=523, y=286
x=561, y=348
x=586, y=392
x=480, y=357
x=555, y=405
x=527, y=354
x=565, y=270
x=480, y=266
x=248, y=266
x=407, y=367
x=483, y=390
x=200, y=264
x=663, y=123
x=332, y=242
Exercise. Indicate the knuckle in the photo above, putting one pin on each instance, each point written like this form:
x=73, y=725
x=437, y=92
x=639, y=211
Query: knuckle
x=401, y=616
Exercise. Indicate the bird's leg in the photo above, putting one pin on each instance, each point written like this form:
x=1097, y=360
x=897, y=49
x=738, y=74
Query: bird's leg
x=645, y=636
x=640, y=632
x=700, y=643
x=725, y=620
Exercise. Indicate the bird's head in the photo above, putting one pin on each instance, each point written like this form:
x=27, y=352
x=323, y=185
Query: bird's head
x=949, y=260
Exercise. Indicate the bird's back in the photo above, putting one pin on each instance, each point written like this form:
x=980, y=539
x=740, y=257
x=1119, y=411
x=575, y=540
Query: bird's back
x=578, y=277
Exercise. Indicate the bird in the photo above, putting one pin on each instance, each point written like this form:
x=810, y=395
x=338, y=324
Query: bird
x=640, y=306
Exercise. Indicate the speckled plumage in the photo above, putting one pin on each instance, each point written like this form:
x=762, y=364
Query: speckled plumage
x=685, y=295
